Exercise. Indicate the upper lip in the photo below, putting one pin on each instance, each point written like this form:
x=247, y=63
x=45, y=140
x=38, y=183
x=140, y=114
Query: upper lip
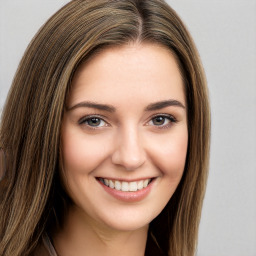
x=125, y=179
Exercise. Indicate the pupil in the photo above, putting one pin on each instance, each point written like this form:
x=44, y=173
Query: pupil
x=159, y=120
x=94, y=121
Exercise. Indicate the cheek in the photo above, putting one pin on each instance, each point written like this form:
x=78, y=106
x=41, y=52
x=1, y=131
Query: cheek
x=170, y=155
x=82, y=154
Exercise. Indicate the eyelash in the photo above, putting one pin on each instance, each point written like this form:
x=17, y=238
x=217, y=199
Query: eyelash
x=86, y=119
x=166, y=117
x=170, y=118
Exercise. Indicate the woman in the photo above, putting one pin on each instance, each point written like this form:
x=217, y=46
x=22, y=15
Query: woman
x=106, y=135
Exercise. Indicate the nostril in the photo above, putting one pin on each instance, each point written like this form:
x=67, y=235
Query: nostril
x=128, y=161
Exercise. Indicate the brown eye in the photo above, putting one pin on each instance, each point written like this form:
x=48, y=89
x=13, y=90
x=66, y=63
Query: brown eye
x=159, y=120
x=94, y=122
x=162, y=121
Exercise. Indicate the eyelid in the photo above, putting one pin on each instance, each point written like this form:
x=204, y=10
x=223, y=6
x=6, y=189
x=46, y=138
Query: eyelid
x=87, y=117
x=171, y=118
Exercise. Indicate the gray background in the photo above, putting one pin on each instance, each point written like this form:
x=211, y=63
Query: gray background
x=225, y=34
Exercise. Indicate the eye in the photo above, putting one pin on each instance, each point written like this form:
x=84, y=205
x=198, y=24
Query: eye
x=162, y=121
x=93, y=121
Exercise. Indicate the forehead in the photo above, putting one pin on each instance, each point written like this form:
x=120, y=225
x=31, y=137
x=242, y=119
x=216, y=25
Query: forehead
x=132, y=71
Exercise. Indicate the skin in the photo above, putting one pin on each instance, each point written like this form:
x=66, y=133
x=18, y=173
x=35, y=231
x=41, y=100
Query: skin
x=125, y=142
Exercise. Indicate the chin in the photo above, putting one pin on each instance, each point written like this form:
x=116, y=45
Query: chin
x=129, y=218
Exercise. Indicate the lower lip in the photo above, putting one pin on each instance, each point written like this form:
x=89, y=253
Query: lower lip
x=128, y=196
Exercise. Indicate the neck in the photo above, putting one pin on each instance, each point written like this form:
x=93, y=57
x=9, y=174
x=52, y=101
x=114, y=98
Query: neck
x=82, y=236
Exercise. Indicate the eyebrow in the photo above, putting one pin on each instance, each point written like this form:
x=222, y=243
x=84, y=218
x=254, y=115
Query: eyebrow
x=110, y=108
x=89, y=104
x=164, y=104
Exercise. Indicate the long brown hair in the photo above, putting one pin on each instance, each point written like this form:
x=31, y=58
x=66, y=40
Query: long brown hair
x=31, y=196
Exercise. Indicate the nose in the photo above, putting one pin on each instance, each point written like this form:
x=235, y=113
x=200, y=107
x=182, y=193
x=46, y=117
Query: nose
x=129, y=152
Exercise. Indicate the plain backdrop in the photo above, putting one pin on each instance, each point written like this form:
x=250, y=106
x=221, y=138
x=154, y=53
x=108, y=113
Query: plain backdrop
x=225, y=34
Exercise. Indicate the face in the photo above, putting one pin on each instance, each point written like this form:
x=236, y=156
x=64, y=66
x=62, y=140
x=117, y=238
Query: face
x=124, y=135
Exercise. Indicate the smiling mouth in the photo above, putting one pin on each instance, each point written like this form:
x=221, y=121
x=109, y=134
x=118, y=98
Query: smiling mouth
x=125, y=186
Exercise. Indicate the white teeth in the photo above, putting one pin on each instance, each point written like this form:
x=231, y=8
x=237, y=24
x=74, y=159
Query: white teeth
x=118, y=185
x=124, y=185
x=133, y=186
x=145, y=183
x=111, y=184
x=140, y=184
x=106, y=182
